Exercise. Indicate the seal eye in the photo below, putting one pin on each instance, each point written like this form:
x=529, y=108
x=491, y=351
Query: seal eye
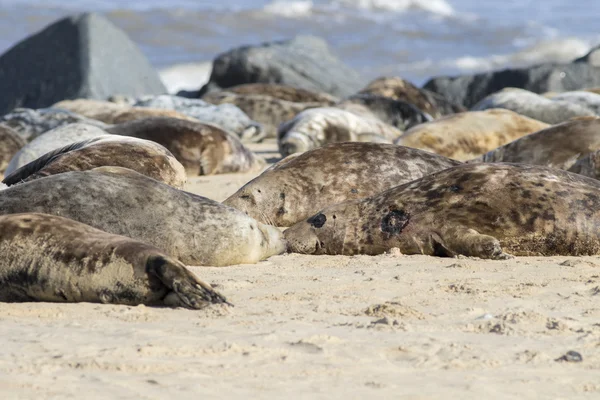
x=394, y=222
x=455, y=188
x=318, y=220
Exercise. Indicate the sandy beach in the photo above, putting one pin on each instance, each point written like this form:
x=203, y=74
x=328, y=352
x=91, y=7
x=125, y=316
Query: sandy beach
x=390, y=326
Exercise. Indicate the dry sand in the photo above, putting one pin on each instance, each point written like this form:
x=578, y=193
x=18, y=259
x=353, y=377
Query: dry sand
x=322, y=327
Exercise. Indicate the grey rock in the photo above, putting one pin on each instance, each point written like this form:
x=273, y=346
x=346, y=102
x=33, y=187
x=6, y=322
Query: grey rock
x=592, y=57
x=30, y=124
x=470, y=89
x=82, y=56
x=305, y=62
x=225, y=116
x=52, y=140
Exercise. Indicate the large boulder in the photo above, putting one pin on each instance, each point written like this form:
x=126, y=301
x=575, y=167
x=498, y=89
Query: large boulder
x=304, y=62
x=83, y=56
x=470, y=89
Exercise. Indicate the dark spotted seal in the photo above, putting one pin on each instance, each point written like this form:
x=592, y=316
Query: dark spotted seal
x=143, y=156
x=397, y=113
x=479, y=210
x=55, y=259
x=318, y=126
x=399, y=89
x=194, y=229
x=10, y=144
x=559, y=146
x=203, y=149
x=298, y=186
x=463, y=136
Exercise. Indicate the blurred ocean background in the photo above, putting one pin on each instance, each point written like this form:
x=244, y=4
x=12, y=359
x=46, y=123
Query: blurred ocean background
x=415, y=39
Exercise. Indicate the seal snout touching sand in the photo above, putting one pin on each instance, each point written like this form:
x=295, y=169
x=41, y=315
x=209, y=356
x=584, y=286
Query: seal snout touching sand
x=55, y=259
x=489, y=211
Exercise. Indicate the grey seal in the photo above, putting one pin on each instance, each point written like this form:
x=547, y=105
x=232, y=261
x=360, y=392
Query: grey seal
x=481, y=210
x=191, y=228
x=55, y=259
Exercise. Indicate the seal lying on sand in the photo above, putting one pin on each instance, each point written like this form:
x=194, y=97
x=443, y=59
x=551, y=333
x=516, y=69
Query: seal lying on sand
x=226, y=116
x=298, y=186
x=50, y=258
x=112, y=113
x=269, y=111
x=397, y=88
x=469, y=134
x=318, y=126
x=52, y=140
x=558, y=146
x=533, y=106
x=397, y=113
x=203, y=149
x=479, y=210
x=278, y=91
x=143, y=156
x=29, y=124
x=194, y=229
x=10, y=144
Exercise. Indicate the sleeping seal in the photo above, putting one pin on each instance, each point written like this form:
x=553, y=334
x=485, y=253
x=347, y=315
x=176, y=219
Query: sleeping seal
x=203, y=149
x=300, y=185
x=194, y=229
x=558, y=146
x=533, y=105
x=397, y=113
x=480, y=210
x=10, y=144
x=55, y=259
x=143, y=156
x=465, y=135
x=318, y=126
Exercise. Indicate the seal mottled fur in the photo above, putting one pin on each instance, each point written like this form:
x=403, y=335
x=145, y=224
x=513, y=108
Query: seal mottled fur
x=55, y=259
x=480, y=210
x=203, y=149
x=316, y=127
x=143, y=156
x=10, y=144
x=558, y=146
x=300, y=185
x=194, y=229
x=463, y=136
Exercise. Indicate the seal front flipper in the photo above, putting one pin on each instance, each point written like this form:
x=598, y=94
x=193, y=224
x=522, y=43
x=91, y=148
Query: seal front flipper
x=468, y=242
x=186, y=290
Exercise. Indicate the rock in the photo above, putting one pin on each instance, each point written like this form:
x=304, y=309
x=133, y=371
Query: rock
x=570, y=356
x=469, y=89
x=82, y=56
x=226, y=116
x=30, y=124
x=52, y=140
x=533, y=106
x=591, y=58
x=303, y=62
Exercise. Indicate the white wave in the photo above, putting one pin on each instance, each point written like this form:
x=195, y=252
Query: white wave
x=189, y=76
x=290, y=9
x=548, y=51
x=440, y=7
